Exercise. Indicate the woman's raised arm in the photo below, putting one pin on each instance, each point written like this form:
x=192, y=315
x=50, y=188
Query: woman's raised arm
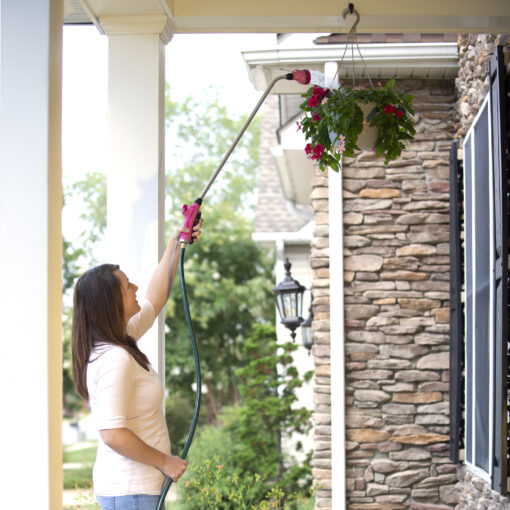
x=162, y=279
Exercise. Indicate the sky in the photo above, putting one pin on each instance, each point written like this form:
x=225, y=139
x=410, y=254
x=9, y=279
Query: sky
x=84, y=84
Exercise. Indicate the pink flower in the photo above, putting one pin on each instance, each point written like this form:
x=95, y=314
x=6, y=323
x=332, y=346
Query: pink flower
x=389, y=108
x=314, y=152
x=298, y=126
x=318, y=91
x=340, y=145
x=313, y=101
x=316, y=117
x=318, y=151
x=317, y=96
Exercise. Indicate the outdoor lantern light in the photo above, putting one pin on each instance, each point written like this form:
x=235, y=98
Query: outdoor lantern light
x=307, y=331
x=289, y=300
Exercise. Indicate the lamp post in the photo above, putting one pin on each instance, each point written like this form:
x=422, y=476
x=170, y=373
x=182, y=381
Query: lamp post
x=289, y=301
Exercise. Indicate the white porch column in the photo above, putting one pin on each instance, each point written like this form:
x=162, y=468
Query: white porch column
x=337, y=329
x=136, y=170
x=31, y=252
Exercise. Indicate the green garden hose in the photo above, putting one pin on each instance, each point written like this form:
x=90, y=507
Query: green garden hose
x=196, y=411
x=192, y=216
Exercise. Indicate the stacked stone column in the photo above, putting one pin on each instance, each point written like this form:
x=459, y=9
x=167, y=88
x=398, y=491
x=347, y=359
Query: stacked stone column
x=396, y=319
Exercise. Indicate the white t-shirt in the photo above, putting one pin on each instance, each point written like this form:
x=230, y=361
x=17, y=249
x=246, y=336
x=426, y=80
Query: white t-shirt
x=122, y=394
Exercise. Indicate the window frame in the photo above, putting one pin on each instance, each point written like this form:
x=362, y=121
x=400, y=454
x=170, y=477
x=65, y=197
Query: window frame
x=472, y=176
x=486, y=312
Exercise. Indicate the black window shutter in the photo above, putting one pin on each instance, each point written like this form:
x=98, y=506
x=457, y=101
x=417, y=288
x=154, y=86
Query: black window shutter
x=500, y=176
x=456, y=312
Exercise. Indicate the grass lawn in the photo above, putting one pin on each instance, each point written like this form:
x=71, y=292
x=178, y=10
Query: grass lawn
x=78, y=462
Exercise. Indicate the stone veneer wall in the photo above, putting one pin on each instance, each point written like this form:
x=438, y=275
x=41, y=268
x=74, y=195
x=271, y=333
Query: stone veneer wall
x=472, y=86
x=472, y=83
x=397, y=319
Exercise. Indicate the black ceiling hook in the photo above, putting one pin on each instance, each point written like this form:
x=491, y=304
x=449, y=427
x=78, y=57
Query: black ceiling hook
x=352, y=35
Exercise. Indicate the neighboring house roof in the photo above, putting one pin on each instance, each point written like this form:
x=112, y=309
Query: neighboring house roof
x=387, y=38
x=273, y=212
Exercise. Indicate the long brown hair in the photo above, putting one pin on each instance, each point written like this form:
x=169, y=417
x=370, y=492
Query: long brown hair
x=98, y=318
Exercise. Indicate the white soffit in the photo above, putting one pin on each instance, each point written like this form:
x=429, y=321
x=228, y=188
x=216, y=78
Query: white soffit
x=295, y=170
x=384, y=60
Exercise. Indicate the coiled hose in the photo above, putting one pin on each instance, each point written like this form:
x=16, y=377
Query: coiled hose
x=168, y=482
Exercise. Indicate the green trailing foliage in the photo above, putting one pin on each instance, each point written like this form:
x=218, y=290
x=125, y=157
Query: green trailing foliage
x=333, y=121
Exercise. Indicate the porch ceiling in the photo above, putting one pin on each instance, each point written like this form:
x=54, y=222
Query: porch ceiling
x=206, y=16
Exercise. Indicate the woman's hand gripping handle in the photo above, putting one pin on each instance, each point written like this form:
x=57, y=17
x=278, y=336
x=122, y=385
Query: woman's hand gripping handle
x=192, y=216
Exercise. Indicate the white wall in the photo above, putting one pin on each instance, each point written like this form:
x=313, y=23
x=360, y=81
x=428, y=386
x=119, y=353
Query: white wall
x=31, y=252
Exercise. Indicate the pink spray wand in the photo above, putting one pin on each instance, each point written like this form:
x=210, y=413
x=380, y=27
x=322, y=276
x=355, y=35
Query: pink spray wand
x=192, y=216
x=192, y=213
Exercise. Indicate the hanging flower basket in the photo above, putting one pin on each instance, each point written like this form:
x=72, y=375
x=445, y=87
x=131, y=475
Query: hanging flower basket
x=336, y=122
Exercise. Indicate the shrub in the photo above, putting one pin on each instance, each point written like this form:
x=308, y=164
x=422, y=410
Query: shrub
x=213, y=479
x=240, y=463
x=268, y=386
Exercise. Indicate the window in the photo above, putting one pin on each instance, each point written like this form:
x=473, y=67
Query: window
x=479, y=285
x=486, y=292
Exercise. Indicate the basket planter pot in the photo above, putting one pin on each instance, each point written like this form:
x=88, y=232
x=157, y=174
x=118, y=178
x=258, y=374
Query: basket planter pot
x=366, y=140
x=342, y=121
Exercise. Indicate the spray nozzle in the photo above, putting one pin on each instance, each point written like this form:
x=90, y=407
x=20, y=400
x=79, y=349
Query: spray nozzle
x=300, y=75
x=306, y=77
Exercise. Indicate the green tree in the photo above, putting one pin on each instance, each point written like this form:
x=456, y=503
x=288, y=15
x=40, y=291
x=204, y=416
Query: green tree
x=90, y=191
x=78, y=255
x=268, y=384
x=229, y=277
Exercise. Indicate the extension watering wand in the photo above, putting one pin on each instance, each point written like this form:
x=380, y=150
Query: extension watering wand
x=191, y=218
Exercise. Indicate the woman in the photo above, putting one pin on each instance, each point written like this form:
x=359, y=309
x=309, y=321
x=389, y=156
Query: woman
x=124, y=393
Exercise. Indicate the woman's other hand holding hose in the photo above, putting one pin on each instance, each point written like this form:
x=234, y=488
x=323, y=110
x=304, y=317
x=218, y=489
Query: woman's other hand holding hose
x=174, y=467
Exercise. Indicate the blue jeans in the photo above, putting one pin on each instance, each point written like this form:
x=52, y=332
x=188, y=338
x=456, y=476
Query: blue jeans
x=132, y=502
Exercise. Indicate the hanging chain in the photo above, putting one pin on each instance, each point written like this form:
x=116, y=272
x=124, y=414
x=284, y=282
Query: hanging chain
x=352, y=59
x=363, y=62
x=352, y=39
